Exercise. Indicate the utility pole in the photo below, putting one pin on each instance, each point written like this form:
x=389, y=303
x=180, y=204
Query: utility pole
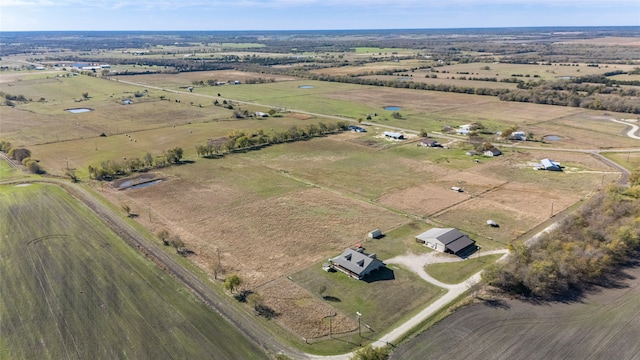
x=331, y=315
x=552, y=208
x=359, y=315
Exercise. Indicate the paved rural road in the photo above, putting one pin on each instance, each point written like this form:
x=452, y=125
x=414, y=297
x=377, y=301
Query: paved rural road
x=238, y=318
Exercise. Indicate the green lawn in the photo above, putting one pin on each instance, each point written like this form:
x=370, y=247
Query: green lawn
x=378, y=300
x=72, y=289
x=457, y=272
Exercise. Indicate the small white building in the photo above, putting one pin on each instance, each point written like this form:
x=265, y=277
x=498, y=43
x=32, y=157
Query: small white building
x=394, y=135
x=492, y=152
x=464, y=129
x=548, y=164
x=518, y=135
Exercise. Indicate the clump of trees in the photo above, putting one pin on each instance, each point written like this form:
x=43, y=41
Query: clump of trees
x=10, y=99
x=371, y=353
x=585, y=249
x=174, y=241
x=232, y=283
x=22, y=155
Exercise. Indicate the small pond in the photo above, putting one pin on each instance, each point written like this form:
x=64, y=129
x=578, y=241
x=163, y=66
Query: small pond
x=552, y=138
x=305, y=86
x=145, y=184
x=392, y=108
x=78, y=110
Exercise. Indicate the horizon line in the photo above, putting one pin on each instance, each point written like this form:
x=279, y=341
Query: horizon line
x=343, y=29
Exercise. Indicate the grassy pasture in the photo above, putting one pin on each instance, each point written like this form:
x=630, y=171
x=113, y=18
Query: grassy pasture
x=545, y=72
x=378, y=300
x=586, y=131
x=288, y=196
x=174, y=81
x=36, y=122
x=91, y=151
x=376, y=50
x=457, y=272
x=372, y=67
x=420, y=77
x=629, y=160
x=286, y=208
x=74, y=290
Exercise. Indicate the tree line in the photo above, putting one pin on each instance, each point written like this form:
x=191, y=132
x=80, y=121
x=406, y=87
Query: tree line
x=235, y=141
x=111, y=169
x=586, y=249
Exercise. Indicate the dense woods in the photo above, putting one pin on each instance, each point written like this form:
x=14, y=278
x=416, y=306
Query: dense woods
x=586, y=249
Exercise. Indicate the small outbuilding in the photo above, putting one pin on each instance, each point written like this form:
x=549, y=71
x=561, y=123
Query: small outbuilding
x=518, y=136
x=356, y=263
x=447, y=240
x=493, y=152
x=548, y=164
x=429, y=143
x=492, y=223
x=394, y=135
x=377, y=233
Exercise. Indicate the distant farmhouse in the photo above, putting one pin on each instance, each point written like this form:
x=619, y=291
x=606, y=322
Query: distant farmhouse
x=518, y=135
x=464, y=129
x=354, y=128
x=429, y=143
x=548, y=164
x=492, y=152
x=86, y=66
x=356, y=263
x=394, y=135
x=448, y=240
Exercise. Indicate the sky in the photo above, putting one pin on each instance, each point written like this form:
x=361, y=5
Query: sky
x=58, y=15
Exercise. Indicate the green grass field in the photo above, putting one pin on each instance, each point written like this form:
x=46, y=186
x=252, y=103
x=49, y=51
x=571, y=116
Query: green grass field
x=73, y=290
x=457, y=272
x=377, y=299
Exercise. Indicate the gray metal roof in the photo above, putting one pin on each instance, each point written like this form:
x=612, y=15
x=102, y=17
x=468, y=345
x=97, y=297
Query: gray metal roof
x=549, y=164
x=453, y=239
x=356, y=262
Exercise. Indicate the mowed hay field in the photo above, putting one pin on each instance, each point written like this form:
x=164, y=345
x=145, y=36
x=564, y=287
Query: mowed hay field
x=603, y=325
x=72, y=290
